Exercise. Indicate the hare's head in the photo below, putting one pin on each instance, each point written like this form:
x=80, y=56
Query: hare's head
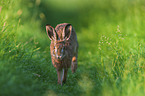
x=59, y=36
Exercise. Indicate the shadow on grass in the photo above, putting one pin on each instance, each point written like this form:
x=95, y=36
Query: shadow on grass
x=84, y=82
x=47, y=13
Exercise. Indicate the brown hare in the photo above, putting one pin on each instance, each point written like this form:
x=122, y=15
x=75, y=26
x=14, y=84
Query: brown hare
x=64, y=49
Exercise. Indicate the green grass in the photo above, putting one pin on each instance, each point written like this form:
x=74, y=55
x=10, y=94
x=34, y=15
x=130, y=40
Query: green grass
x=111, y=60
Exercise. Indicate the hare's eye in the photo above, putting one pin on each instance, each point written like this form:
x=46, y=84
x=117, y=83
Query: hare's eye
x=61, y=50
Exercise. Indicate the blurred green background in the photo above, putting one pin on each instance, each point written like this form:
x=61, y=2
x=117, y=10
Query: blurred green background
x=111, y=60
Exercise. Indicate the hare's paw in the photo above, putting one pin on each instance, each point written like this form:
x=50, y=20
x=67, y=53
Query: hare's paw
x=74, y=64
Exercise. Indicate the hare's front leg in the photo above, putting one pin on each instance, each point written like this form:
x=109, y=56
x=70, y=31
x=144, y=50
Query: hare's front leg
x=74, y=64
x=64, y=77
x=59, y=75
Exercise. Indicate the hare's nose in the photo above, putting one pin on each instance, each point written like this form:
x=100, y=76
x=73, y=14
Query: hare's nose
x=59, y=57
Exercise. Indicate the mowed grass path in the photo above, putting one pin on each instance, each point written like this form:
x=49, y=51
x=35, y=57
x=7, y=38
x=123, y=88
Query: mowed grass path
x=111, y=48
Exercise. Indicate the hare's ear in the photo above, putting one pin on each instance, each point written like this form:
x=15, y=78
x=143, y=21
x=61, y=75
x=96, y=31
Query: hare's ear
x=50, y=32
x=67, y=31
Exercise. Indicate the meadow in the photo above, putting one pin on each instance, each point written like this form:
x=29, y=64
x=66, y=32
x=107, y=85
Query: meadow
x=111, y=57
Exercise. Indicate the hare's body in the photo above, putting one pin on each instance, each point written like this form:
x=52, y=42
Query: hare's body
x=64, y=49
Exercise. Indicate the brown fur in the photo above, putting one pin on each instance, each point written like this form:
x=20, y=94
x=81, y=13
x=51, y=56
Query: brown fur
x=64, y=49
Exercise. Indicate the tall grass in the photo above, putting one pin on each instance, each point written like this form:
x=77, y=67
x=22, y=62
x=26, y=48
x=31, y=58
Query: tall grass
x=111, y=47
